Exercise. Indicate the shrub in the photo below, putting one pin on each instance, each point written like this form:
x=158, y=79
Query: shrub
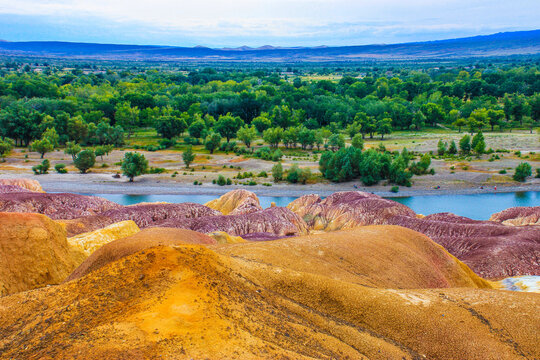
x=167, y=143
x=229, y=181
x=522, y=171
x=85, y=160
x=503, y=171
x=298, y=175
x=43, y=168
x=394, y=189
x=60, y=168
x=538, y=173
x=262, y=174
x=422, y=166
x=221, y=180
x=156, y=170
x=441, y=148
x=465, y=144
x=277, y=172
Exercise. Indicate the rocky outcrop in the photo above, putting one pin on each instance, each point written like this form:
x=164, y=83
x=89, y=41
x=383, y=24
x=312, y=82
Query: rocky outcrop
x=144, y=215
x=376, y=256
x=189, y=302
x=91, y=241
x=31, y=185
x=345, y=210
x=277, y=221
x=33, y=253
x=55, y=206
x=518, y=216
x=236, y=202
x=142, y=240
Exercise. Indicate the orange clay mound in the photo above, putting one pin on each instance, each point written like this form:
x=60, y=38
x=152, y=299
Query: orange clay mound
x=236, y=202
x=28, y=184
x=376, y=256
x=188, y=302
x=144, y=239
x=33, y=253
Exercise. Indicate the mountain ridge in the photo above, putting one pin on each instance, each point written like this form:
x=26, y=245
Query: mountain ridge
x=498, y=44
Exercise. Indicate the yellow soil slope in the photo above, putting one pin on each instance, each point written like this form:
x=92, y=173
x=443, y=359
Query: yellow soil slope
x=188, y=302
x=33, y=252
x=377, y=256
x=91, y=241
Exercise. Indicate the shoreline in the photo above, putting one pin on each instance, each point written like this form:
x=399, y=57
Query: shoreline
x=153, y=187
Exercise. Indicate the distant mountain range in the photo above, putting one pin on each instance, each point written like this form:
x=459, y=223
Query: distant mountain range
x=500, y=44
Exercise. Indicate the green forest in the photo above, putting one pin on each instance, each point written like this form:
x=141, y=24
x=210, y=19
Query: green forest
x=44, y=106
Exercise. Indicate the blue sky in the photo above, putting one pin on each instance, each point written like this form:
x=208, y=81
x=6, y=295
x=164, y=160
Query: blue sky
x=218, y=23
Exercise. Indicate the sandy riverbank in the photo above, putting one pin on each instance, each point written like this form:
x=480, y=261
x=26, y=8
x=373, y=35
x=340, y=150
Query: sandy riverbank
x=155, y=184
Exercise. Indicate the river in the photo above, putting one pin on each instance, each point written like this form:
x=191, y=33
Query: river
x=474, y=206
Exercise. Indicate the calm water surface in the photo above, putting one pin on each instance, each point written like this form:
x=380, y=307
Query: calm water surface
x=474, y=206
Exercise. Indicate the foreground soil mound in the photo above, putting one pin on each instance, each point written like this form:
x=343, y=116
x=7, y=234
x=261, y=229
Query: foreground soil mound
x=33, y=252
x=236, y=202
x=188, y=302
x=345, y=210
x=30, y=185
x=518, y=216
x=90, y=242
x=491, y=249
x=375, y=256
x=55, y=206
x=142, y=240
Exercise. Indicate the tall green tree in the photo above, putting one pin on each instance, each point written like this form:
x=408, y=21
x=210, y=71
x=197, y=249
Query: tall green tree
x=247, y=134
x=127, y=117
x=85, y=160
x=188, y=156
x=228, y=125
x=134, y=164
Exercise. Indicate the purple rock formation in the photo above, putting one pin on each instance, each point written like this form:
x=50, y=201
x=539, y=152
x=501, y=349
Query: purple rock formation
x=8, y=189
x=276, y=220
x=521, y=215
x=55, y=206
x=144, y=215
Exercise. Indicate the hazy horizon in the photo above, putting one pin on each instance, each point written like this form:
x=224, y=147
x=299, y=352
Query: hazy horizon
x=217, y=24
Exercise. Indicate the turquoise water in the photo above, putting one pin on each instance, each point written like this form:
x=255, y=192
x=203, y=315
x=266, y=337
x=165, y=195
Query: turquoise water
x=474, y=206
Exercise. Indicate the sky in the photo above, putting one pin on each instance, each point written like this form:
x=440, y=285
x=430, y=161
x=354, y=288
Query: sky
x=232, y=23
